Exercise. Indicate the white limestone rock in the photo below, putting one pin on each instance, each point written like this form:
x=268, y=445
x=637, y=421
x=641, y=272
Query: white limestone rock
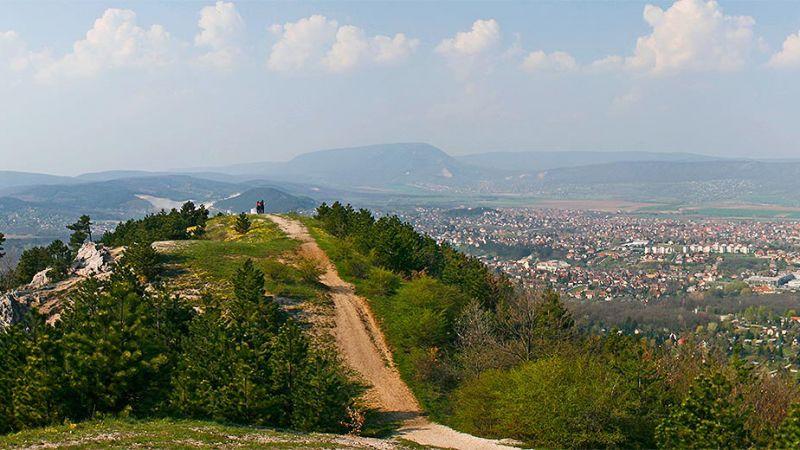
x=92, y=260
x=11, y=309
x=40, y=280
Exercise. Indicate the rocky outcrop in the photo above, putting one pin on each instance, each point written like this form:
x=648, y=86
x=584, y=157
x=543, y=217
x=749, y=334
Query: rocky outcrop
x=46, y=296
x=92, y=260
x=40, y=280
x=11, y=309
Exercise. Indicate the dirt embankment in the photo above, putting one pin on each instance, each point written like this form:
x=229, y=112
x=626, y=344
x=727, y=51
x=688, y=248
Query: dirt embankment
x=364, y=349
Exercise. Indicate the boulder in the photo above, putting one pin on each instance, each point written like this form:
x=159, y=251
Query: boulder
x=11, y=309
x=47, y=296
x=40, y=280
x=92, y=260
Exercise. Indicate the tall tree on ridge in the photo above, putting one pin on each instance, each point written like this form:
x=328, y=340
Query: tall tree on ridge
x=81, y=230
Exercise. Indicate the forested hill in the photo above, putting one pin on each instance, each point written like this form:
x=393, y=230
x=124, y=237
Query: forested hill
x=276, y=201
x=228, y=319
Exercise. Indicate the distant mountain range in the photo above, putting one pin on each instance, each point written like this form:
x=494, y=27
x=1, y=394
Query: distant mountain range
x=275, y=201
x=398, y=167
x=420, y=170
x=11, y=179
x=376, y=167
x=393, y=174
x=44, y=209
x=369, y=167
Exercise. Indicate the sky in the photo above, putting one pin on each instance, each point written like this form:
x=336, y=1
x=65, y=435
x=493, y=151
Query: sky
x=155, y=85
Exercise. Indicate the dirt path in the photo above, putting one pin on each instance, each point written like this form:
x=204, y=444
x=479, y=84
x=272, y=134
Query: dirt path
x=364, y=348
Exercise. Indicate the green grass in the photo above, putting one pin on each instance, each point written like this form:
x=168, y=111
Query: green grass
x=436, y=405
x=173, y=434
x=208, y=264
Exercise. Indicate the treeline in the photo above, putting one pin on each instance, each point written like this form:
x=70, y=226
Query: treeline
x=396, y=246
x=56, y=256
x=505, y=364
x=136, y=234
x=185, y=223
x=121, y=348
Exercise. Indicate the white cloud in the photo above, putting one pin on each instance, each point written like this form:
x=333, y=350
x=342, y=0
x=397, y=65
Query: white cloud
x=15, y=56
x=607, y=64
x=317, y=42
x=115, y=41
x=789, y=56
x=301, y=42
x=13, y=51
x=549, y=62
x=484, y=35
x=387, y=50
x=350, y=47
x=689, y=35
x=222, y=32
x=474, y=53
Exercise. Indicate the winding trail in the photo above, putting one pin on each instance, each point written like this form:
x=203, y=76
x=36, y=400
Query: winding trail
x=365, y=350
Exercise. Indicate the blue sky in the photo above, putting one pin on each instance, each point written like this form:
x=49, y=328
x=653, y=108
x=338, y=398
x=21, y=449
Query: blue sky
x=90, y=86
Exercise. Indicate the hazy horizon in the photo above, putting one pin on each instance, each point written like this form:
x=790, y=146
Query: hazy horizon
x=96, y=85
x=202, y=168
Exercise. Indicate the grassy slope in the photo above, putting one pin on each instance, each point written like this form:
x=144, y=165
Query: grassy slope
x=177, y=434
x=434, y=405
x=209, y=264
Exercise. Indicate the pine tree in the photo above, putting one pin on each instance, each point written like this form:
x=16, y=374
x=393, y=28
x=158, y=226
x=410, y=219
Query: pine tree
x=253, y=321
x=143, y=260
x=288, y=364
x=242, y=224
x=554, y=319
x=113, y=355
x=205, y=367
x=81, y=230
x=2, y=241
x=312, y=390
x=31, y=262
x=13, y=353
x=248, y=283
x=36, y=396
x=28, y=391
x=60, y=259
x=188, y=210
x=251, y=305
x=225, y=372
x=195, y=217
